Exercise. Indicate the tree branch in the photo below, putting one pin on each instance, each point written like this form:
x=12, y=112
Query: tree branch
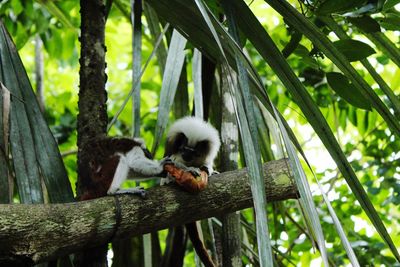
x=36, y=233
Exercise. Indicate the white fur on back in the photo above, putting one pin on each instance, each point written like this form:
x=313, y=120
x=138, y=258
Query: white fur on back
x=196, y=130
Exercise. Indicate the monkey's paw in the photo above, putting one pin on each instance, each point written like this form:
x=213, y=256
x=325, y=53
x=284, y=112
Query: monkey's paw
x=133, y=191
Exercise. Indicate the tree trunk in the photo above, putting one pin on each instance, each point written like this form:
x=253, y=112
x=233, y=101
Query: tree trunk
x=33, y=233
x=92, y=117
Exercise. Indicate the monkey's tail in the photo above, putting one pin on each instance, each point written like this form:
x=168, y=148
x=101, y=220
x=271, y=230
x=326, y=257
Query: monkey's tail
x=199, y=245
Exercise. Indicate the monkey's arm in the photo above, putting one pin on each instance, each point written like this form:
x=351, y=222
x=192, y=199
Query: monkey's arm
x=134, y=164
x=136, y=160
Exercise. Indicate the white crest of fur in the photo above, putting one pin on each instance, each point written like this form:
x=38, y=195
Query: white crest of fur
x=197, y=130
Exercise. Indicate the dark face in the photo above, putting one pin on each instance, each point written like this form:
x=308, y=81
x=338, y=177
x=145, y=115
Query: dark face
x=192, y=155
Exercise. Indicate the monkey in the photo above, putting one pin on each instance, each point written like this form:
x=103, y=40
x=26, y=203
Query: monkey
x=110, y=161
x=193, y=143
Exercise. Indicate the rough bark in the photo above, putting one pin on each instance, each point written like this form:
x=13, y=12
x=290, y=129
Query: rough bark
x=92, y=117
x=33, y=233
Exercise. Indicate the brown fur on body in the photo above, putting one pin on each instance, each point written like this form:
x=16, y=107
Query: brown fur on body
x=102, y=163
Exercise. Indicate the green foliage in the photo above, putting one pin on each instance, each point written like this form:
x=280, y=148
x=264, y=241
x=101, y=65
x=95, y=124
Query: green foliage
x=349, y=102
x=354, y=50
x=59, y=34
x=346, y=90
x=338, y=6
x=366, y=24
x=33, y=151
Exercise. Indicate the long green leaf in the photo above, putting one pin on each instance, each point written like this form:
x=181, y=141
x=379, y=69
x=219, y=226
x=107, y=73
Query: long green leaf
x=304, y=188
x=299, y=172
x=22, y=147
x=273, y=130
x=5, y=182
x=299, y=22
x=31, y=139
x=57, y=12
x=383, y=85
x=306, y=199
x=250, y=148
x=339, y=228
x=181, y=101
x=136, y=83
x=387, y=46
x=172, y=73
x=264, y=44
x=264, y=134
x=252, y=159
x=249, y=132
x=153, y=23
x=48, y=156
x=136, y=15
x=189, y=22
x=390, y=3
x=196, y=76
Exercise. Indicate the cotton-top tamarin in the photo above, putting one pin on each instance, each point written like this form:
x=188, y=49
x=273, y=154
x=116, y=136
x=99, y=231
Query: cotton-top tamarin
x=193, y=143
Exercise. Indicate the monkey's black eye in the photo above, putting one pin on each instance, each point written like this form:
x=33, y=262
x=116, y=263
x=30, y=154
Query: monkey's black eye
x=188, y=153
x=181, y=140
x=202, y=147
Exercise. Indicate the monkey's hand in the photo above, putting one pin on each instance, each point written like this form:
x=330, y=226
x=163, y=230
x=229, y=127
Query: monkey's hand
x=210, y=171
x=166, y=160
x=139, y=190
x=185, y=178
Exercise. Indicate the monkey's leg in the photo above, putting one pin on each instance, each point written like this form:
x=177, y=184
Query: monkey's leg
x=121, y=173
x=139, y=190
x=209, y=169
